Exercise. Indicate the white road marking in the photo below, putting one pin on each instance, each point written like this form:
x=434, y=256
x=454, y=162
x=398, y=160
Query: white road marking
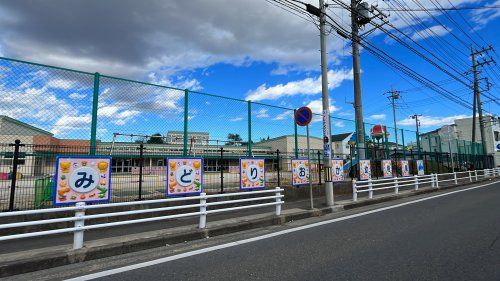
x=249, y=240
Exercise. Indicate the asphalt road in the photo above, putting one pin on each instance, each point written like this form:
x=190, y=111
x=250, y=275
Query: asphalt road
x=452, y=237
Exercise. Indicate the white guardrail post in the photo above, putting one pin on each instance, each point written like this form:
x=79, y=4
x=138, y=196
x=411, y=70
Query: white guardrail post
x=437, y=180
x=455, y=177
x=203, y=210
x=354, y=191
x=79, y=223
x=278, y=201
x=370, y=188
x=433, y=182
x=470, y=176
x=416, y=181
x=475, y=174
x=396, y=185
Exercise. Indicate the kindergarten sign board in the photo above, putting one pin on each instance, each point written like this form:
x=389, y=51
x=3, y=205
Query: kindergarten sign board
x=184, y=176
x=252, y=174
x=387, y=168
x=405, y=168
x=420, y=167
x=337, y=170
x=300, y=172
x=365, y=170
x=82, y=179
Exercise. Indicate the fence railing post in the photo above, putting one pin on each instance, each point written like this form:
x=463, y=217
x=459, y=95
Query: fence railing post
x=354, y=191
x=416, y=181
x=95, y=105
x=186, y=119
x=79, y=223
x=370, y=188
x=475, y=174
x=249, y=103
x=13, y=178
x=470, y=176
x=437, y=180
x=455, y=177
x=396, y=185
x=433, y=181
x=278, y=201
x=203, y=210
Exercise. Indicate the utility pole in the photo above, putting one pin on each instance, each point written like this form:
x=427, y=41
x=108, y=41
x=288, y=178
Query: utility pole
x=417, y=124
x=327, y=154
x=477, y=96
x=394, y=95
x=356, y=21
x=327, y=148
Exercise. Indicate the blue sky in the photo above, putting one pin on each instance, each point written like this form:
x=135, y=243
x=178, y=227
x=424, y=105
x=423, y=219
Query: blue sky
x=240, y=49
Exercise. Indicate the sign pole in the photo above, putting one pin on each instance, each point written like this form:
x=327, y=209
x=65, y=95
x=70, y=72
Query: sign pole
x=309, y=161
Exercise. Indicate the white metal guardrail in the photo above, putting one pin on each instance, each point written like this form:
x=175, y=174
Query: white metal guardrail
x=371, y=185
x=80, y=218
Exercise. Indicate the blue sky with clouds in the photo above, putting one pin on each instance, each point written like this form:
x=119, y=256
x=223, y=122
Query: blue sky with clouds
x=248, y=50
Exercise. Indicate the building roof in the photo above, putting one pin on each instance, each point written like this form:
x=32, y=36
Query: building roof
x=26, y=125
x=340, y=137
x=189, y=132
x=285, y=136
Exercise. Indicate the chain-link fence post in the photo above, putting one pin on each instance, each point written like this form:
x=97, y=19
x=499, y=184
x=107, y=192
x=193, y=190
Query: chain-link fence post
x=296, y=138
x=221, y=167
x=95, y=105
x=403, y=143
x=319, y=167
x=249, y=128
x=278, y=166
x=186, y=118
x=141, y=165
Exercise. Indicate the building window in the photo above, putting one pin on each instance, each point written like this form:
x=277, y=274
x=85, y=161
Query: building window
x=497, y=136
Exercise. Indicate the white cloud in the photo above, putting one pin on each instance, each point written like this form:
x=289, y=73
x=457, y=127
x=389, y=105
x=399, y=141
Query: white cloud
x=236, y=119
x=483, y=17
x=338, y=124
x=433, y=31
x=77, y=96
x=60, y=83
x=377, y=117
x=67, y=123
x=179, y=82
x=285, y=115
x=432, y=121
x=262, y=113
x=316, y=107
x=307, y=86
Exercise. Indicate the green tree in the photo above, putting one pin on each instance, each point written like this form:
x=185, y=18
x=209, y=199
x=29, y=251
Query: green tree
x=156, y=139
x=233, y=139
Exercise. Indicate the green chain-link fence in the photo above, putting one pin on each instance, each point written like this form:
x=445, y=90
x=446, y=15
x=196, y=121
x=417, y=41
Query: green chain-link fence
x=56, y=111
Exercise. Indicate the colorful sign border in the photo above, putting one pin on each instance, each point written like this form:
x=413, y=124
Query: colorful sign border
x=263, y=172
x=339, y=178
x=384, y=173
x=403, y=174
x=167, y=186
x=307, y=173
x=423, y=167
x=56, y=181
x=362, y=175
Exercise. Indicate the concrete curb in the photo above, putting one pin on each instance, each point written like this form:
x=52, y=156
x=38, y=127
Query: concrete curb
x=39, y=259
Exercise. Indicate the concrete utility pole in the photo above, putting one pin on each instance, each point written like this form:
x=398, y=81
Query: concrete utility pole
x=327, y=147
x=358, y=103
x=327, y=154
x=477, y=97
x=394, y=95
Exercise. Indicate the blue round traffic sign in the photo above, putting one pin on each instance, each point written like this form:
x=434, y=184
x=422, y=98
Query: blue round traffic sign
x=303, y=116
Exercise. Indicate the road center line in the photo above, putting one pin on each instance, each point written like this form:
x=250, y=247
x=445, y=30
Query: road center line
x=262, y=237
